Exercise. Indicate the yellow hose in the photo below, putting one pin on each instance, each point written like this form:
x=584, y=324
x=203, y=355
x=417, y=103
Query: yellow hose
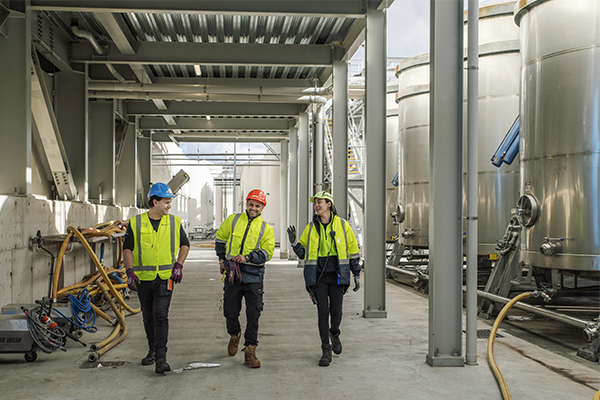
x=100, y=268
x=490, y=349
x=120, y=316
x=597, y=395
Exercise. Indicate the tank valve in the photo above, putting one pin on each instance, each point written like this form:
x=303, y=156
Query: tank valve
x=407, y=234
x=549, y=248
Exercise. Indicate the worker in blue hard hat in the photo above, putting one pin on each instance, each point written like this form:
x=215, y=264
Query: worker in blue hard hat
x=153, y=264
x=330, y=252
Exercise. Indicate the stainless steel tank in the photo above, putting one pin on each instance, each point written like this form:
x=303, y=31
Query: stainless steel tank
x=560, y=134
x=391, y=229
x=499, y=85
x=413, y=128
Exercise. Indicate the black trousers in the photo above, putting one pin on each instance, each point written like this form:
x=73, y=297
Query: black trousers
x=253, y=293
x=330, y=297
x=155, y=299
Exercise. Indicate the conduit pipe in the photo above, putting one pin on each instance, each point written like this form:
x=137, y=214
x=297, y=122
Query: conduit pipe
x=313, y=99
x=115, y=73
x=472, y=179
x=318, y=146
x=319, y=91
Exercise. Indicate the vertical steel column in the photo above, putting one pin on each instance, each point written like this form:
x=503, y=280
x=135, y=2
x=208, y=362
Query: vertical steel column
x=125, y=176
x=304, y=188
x=473, y=181
x=283, y=193
x=445, y=144
x=234, y=177
x=87, y=133
x=15, y=103
x=339, y=174
x=375, y=143
x=293, y=197
x=102, y=151
x=318, y=145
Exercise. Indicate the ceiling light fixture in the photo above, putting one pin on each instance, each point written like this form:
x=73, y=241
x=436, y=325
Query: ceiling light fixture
x=208, y=117
x=197, y=69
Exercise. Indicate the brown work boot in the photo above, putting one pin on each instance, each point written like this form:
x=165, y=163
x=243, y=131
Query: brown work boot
x=234, y=342
x=250, y=357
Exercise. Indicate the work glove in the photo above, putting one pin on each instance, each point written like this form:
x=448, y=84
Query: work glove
x=291, y=230
x=132, y=279
x=177, y=273
x=356, y=283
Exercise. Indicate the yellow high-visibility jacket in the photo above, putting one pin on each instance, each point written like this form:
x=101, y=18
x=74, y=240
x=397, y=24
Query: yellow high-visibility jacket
x=253, y=238
x=318, y=244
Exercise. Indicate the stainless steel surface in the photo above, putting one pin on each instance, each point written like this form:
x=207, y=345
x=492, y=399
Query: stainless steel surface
x=391, y=161
x=560, y=134
x=413, y=130
x=499, y=71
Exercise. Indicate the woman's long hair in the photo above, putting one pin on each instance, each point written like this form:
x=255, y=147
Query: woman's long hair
x=333, y=210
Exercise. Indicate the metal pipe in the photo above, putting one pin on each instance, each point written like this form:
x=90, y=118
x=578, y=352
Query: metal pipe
x=199, y=97
x=234, y=174
x=472, y=186
x=318, y=145
x=88, y=36
x=193, y=88
x=339, y=174
x=293, y=185
x=114, y=72
x=576, y=322
x=283, y=196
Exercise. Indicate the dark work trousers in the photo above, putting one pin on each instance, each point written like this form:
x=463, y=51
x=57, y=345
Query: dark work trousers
x=253, y=293
x=330, y=297
x=155, y=299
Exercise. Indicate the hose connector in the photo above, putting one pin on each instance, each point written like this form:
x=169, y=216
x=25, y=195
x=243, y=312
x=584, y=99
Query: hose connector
x=591, y=330
x=407, y=234
x=549, y=248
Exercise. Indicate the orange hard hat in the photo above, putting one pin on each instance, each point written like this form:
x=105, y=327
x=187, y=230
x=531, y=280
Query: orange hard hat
x=257, y=195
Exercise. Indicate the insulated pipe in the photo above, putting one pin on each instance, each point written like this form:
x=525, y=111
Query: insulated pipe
x=339, y=176
x=320, y=91
x=313, y=99
x=304, y=186
x=88, y=36
x=95, y=94
x=472, y=174
x=115, y=73
x=125, y=86
x=293, y=185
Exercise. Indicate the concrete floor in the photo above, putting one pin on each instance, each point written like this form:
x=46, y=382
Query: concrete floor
x=381, y=359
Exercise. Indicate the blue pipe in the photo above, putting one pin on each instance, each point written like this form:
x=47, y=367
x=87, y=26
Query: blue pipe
x=509, y=148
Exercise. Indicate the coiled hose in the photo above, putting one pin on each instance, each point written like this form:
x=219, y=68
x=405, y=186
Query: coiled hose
x=45, y=333
x=490, y=349
x=83, y=313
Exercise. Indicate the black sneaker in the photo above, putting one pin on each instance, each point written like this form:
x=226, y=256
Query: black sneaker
x=336, y=344
x=162, y=366
x=149, y=359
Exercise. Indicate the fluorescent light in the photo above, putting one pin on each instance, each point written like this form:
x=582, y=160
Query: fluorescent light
x=208, y=117
x=197, y=69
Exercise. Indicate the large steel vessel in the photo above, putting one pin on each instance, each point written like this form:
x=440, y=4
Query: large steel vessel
x=560, y=134
x=413, y=128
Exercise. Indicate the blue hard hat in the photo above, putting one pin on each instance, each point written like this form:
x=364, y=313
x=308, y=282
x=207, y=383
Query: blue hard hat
x=160, y=190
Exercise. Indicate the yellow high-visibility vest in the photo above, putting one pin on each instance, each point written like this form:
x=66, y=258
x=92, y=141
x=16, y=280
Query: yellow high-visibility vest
x=155, y=252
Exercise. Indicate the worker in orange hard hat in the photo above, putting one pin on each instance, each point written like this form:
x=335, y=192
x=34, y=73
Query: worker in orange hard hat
x=244, y=243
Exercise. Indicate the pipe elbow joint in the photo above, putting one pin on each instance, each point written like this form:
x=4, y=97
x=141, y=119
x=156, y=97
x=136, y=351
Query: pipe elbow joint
x=549, y=249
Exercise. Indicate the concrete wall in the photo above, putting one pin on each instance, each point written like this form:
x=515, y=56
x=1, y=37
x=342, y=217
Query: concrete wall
x=24, y=270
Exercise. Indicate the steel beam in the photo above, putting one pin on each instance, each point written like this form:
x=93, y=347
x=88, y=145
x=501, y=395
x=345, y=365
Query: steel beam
x=375, y=143
x=125, y=176
x=283, y=199
x=213, y=109
x=102, y=153
x=445, y=215
x=310, y=8
x=186, y=53
x=15, y=104
x=340, y=133
x=304, y=189
x=292, y=208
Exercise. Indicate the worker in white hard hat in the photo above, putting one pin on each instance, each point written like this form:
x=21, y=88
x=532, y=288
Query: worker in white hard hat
x=330, y=252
